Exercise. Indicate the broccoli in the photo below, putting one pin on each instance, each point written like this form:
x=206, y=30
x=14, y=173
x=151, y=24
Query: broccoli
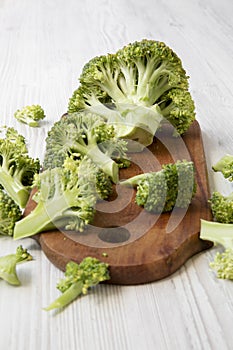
x=137, y=89
x=17, y=169
x=9, y=262
x=30, y=115
x=66, y=198
x=220, y=233
x=222, y=207
x=79, y=278
x=9, y=213
x=160, y=191
x=225, y=166
x=103, y=183
x=85, y=134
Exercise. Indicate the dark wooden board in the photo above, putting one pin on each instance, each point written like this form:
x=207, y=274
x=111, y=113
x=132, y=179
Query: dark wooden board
x=139, y=246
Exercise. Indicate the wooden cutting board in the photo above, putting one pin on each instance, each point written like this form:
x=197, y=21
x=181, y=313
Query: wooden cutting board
x=139, y=246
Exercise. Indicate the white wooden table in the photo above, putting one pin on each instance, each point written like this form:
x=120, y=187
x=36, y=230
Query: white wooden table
x=43, y=47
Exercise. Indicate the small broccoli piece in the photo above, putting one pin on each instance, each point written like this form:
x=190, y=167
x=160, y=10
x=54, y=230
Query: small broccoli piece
x=9, y=213
x=66, y=198
x=9, y=262
x=79, y=278
x=30, y=115
x=222, y=207
x=84, y=134
x=220, y=233
x=160, y=191
x=17, y=169
x=103, y=183
x=137, y=89
x=225, y=166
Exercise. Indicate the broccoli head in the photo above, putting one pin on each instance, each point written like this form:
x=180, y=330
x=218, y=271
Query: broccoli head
x=17, y=169
x=79, y=278
x=30, y=115
x=9, y=213
x=160, y=191
x=137, y=89
x=9, y=262
x=225, y=166
x=220, y=233
x=85, y=134
x=222, y=207
x=66, y=198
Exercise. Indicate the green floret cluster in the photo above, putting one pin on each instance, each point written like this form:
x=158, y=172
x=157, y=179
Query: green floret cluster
x=137, y=89
x=79, y=278
x=222, y=207
x=161, y=191
x=30, y=115
x=66, y=198
x=220, y=231
x=9, y=213
x=85, y=134
x=17, y=168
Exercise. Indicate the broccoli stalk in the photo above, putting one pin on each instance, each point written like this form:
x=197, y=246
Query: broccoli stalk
x=84, y=134
x=17, y=169
x=30, y=115
x=79, y=278
x=160, y=191
x=225, y=166
x=9, y=262
x=137, y=89
x=220, y=233
x=66, y=198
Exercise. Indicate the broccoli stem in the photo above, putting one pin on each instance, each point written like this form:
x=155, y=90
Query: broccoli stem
x=108, y=165
x=67, y=297
x=133, y=181
x=40, y=218
x=217, y=232
x=15, y=190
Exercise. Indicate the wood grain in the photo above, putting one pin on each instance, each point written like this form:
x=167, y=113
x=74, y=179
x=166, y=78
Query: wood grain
x=139, y=246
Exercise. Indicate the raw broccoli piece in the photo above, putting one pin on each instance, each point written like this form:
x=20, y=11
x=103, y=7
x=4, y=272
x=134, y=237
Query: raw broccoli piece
x=85, y=134
x=220, y=233
x=137, y=89
x=79, y=278
x=9, y=262
x=103, y=183
x=17, y=169
x=225, y=166
x=160, y=191
x=30, y=115
x=222, y=207
x=66, y=198
x=9, y=213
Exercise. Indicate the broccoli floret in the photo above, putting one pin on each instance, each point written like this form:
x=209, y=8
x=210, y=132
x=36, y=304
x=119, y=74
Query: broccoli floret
x=222, y=207
x=225, y=166
x=137, y=89
x=30, y=115
x=160, y=191
x=9, y=262
x=79, y=278
x=220, y=233
x=17, y=169
x=85, y=134
x=9, y=213
x=103, y=183
x=66, y=198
